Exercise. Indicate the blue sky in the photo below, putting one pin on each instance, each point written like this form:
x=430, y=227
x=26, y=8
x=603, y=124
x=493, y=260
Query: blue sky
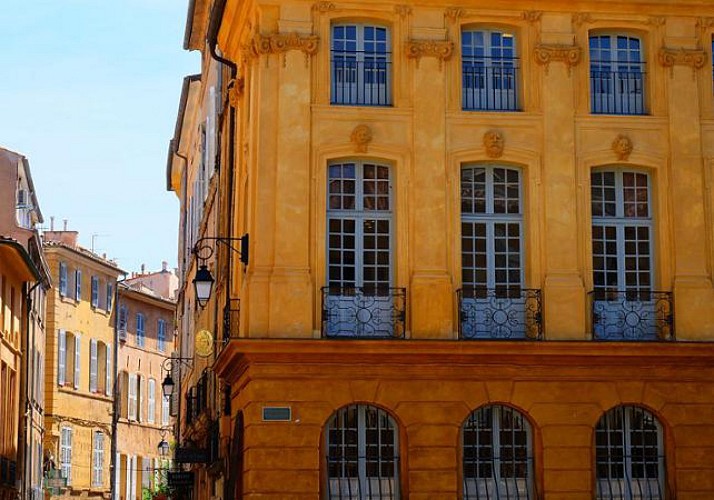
x=89, y=92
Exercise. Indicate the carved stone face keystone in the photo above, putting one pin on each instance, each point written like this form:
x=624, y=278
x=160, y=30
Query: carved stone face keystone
x=622, y=147
x=493, y=143
x=361, y=137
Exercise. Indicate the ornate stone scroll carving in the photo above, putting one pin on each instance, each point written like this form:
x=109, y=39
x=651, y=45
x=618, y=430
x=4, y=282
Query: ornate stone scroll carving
x=696, y=58
x=236, y=88
x=567, y=54
x=361, y=136
x=532, y=16
x=323, y=7
x=580, y=18
x=402, y=10
x=656, y=20
x=705, y=22
x=281, y=43
x=441, y=49
x=622, y=147
x=493, y=143
x=453, y=14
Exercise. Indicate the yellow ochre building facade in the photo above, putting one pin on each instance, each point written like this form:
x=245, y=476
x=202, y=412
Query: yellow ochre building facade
x=480, y=247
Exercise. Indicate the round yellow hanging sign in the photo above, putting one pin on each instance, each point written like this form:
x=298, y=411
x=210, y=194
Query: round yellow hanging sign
x=204, y=343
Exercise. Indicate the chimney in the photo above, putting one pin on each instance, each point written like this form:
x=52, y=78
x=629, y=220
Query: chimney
x=65, y=224
x=52, y=223
x=164, y=266
x=143, y=268
x=67, y=237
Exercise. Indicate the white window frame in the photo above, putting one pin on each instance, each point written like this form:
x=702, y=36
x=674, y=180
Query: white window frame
x=108, y=389
x=625, y=485
x=161, y=335
x=62, y=357
x=110, y=296
x=495, y=76
x=356, y=65
x=131, y=397
x=95, y=291
x=63, y=279
x=165, y=410
x=93, y=365
x=362, y=487
x=66, y=453
x=625, y=80
x=78, y=285
x=77, y=359
x=98, y=460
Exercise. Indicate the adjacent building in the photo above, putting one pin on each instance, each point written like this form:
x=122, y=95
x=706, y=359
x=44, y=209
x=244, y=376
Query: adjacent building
x=145, y=333
x=479, y=261
x=24, y=283
x=80, y=366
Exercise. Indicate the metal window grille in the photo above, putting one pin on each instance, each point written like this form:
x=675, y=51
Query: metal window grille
x=617, y=75
x=362, y=454
x=361, y=65
x=497, y=455
x=359, y=299
x=623, y=303
x=490, y=71
x=629, y=455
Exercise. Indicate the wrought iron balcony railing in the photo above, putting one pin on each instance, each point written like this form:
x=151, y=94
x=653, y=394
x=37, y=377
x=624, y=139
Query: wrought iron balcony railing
x=490, y=85
x=617, y=92
x=231, y=324
x=361, y=79
x=508, y=313
x=362, y=477
x=363, y=312
x=632, y=315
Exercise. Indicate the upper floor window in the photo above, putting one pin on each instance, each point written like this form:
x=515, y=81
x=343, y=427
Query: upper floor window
x=361, y=62
x=362, y=445
x=95, y=291
x=359, y=299
x=617, y=75
x=66, y=453
x=151, y=401
x=69, y=357
x=110, y=296
x=161, y=336
x=78, y=285
x=140, y=332
x=489, y=70
x=629, y=455
x=132, y=380
x=99, y=367
x=63, y=279
x=497, y=454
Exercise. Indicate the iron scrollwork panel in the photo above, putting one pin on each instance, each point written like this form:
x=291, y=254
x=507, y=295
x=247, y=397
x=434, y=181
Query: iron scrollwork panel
x=500, y=313
x=363, y=312
x=632, y=315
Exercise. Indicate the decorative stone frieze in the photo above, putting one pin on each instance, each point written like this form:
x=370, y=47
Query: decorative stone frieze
x=361, y=136
x=567, y=54
x=656, y=21
x=441, y=49
x=323, y=7
x=494, y=143
x=453, y=14
x=532, y=16
x=402, y=10
x=580, y=18
x=695, y=58
x=622, y=147
x=280, y=44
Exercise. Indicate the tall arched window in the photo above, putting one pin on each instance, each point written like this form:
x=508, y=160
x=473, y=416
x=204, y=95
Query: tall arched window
x=359, y=299
x=629, y=455
x=497, y=446
x=489, y=70
x=361, y=65
x=362, y=444
x=617, y=74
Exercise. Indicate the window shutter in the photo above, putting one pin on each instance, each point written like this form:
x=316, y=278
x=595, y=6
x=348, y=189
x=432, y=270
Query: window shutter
x=131, y=410
x=140, y=390
x=62, y=356
x=151, y=411
x=92, y=365
x=77, y=357
x=108, y=384
x=78, y=285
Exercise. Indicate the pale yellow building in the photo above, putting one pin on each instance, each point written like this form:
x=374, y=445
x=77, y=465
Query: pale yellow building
x=145, y=330
x=79, y=375
x=481, y=248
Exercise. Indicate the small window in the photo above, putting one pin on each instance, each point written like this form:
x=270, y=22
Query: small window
x=489, y=70
x=161, y=336
x=66, y=453
x=151, y=393
x=165, y=410
x=617, y=75
x=98, y=460
x=497, y=454
x=95, y=291
x=140, y=333
x=110, y=296
x=629, y=455
x=78, y=285
x=361, y=65
x=63, y=279
x=132, y=387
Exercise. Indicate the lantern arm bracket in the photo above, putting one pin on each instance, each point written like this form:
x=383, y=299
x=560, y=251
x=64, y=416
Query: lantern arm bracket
x=204, y=250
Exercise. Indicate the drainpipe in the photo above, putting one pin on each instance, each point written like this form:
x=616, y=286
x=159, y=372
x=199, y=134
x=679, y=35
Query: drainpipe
x=113, y=465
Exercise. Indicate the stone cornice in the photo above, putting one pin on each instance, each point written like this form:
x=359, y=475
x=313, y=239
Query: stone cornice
x=441, y=49
x=695, y=58
x=568, y=54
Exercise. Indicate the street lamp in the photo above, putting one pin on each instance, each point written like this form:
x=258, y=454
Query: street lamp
x=203, y=281
x=167, y=386
x=163, y=447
